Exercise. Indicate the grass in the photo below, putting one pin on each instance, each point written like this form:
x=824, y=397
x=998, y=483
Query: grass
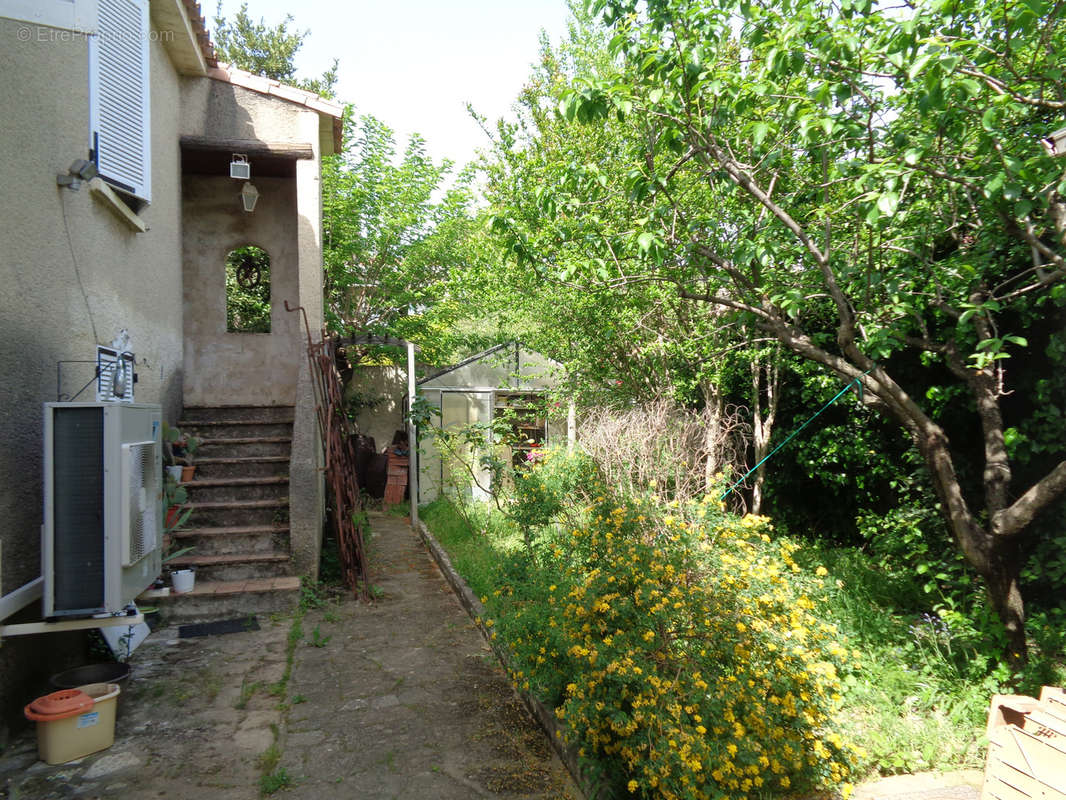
x=248, y=690
x=400, y=509
x=275, y=781
x=474, y=553
x=920, y=699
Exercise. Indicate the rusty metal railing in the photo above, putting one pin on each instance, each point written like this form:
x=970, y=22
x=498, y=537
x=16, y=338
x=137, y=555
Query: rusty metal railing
x=338, y=445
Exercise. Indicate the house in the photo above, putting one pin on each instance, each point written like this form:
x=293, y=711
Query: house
x=119, y=214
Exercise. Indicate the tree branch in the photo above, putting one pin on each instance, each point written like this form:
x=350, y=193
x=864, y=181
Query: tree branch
x=1017, y=516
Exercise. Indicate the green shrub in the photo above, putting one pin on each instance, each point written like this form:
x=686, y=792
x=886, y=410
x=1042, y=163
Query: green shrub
x=680, y=651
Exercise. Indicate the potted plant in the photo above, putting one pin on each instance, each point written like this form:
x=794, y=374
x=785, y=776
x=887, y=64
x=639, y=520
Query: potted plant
x=174, y=499
x=170, y=465
x=179, y=448
x=189, y=446
x=175, y=496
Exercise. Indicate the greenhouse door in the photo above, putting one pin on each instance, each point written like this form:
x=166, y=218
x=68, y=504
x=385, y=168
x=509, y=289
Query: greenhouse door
x=457, y=409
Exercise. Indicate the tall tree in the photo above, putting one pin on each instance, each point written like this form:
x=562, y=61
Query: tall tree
x=391, y=234
x=854, y=182
x=267, y=50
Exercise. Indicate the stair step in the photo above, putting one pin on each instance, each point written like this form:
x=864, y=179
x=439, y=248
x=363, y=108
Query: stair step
x=244, y=447
x=226, y=423
x=248, y=440
x=228, y=513
x=244, y=460
x=227, y=599
x=230, y=431
x=281, y=584
x=224, y=467
x=213, y=482
x=197, y=414
x=232, y=530
x=227, y=505
x=235, y=566
x=235, y=539
x=219, y=559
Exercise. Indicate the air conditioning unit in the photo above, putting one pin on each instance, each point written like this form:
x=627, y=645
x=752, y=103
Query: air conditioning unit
x=102, y=529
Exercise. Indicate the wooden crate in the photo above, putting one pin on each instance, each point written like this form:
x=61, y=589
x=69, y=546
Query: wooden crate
x=1027, y=747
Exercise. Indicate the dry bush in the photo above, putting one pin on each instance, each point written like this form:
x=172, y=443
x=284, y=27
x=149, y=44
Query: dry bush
x=680, y=449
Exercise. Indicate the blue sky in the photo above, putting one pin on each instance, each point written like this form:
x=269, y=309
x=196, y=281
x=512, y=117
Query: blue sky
x=414, y=64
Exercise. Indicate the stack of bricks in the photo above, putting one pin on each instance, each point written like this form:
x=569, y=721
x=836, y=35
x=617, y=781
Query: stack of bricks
x=396, y=483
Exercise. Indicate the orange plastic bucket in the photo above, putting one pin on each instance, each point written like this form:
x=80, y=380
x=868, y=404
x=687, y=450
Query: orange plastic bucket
x=72, y=723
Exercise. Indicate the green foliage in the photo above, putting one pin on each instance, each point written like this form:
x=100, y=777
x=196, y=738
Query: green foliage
x=388, y=243
x=248, y=290
x=550, y=485
x=868, y=188
x=275, y=781
x=267, y=50
x=680, y=645
x=317, y=639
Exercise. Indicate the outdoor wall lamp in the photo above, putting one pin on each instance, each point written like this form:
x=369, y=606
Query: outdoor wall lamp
x=239, y=167
x=249, y=197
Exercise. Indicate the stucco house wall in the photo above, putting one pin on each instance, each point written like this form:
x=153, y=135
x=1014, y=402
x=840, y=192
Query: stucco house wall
x=224, y=368
x=76, y=269
x=243, y=368
x=71, y=276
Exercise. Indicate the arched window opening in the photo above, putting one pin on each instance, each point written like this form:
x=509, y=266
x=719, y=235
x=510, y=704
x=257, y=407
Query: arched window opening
x=248, y=290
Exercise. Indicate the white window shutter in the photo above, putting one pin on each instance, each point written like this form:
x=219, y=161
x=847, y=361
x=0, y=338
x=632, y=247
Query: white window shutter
x=119, y=112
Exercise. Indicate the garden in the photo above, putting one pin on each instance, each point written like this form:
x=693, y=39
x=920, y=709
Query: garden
x=803, y=268
x=690, y=651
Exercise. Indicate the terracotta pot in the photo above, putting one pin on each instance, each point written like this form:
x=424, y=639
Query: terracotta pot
x=173, y=513
x=187, y=473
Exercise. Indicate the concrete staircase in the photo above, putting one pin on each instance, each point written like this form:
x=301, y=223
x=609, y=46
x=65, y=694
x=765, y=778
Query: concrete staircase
x=239, y=524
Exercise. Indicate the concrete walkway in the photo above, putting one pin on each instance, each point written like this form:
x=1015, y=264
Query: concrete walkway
x=405, y=700
x=399, y=699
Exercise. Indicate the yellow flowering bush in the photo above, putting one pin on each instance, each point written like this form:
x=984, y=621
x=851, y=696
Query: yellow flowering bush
x=678, y=647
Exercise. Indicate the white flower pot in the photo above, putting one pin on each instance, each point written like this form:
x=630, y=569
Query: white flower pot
x=183, y=580
x=175, y=473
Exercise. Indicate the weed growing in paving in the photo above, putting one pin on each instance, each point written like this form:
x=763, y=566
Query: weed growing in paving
x=269, y=758
x=275, y=781
x=247, y=691
x=312, y=595
x=317, y=639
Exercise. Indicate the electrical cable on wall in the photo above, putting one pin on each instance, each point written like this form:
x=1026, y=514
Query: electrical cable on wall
x=77, y=272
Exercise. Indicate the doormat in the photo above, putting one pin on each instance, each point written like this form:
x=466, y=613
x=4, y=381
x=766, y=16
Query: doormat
x=240, y=625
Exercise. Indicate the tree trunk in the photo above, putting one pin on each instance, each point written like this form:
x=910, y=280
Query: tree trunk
x=996, y=557
x=1006, y=595
x=711, y=465
x=762, y=426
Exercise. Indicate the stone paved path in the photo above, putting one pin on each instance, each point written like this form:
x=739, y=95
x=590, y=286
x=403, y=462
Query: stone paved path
x=405, y=700
x=402, y=699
